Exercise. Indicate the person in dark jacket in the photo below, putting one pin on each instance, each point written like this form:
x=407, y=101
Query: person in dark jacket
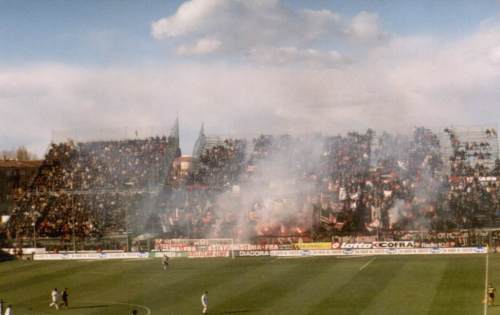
x=65, y=296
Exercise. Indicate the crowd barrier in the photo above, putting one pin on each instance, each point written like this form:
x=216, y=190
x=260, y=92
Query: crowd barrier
x=263, y=251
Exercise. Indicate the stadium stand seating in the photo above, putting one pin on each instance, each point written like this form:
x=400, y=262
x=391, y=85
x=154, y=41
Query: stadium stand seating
x=266, y=186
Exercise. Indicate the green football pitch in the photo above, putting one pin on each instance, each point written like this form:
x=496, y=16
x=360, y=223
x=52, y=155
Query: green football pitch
x=385, y=285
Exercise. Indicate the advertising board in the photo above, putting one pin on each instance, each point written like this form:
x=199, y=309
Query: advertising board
x=388, y=244
x=321, y=245
x=378, y=251
x=208, y=254
x=91, y=256
x=170, y=254
x=252, y=253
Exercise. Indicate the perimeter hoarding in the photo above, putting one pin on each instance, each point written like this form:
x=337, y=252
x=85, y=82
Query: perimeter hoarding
x=378, y=251
x=90, y=256
x=252, y=253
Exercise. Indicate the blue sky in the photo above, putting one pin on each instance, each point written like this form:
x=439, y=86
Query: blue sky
x=114, y=32
x=96, y=32
x=245, y=67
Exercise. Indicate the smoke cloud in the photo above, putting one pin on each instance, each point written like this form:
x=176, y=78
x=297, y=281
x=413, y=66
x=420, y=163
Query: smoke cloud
x=275, y=194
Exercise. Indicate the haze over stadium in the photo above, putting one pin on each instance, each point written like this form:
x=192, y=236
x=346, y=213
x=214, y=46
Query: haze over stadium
x=239, y=128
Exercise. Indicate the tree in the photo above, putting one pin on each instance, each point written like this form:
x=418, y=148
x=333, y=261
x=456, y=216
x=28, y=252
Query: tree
x=22, y=154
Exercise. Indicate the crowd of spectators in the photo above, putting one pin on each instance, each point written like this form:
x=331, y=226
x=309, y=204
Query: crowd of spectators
x=220, y=166
x=267, y=186
x=91, y=189
x=474, y=193
x=356, y=183
x=103, y=165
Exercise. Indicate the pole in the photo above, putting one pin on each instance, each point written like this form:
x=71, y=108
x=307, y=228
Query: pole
x=34, y=233
x=73, y=211
x=232, y=248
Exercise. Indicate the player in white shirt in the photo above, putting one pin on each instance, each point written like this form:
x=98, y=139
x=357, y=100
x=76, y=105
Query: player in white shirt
x=9, y=311
x=204, y=302
x=55, y=298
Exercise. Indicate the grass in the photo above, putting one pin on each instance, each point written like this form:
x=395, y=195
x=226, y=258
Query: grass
x=388, y=285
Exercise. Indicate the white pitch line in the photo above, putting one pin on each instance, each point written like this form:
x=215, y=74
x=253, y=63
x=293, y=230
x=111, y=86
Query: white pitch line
x=485, y=309
x=366, y=265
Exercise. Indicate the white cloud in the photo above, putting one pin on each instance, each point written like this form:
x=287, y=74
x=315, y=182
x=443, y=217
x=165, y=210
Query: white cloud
x=292, y=55
x=188, y=18
x=242, y=27
x=366, y=26
x=201, y=47
x=396, y=85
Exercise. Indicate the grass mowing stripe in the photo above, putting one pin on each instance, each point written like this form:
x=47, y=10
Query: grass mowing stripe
x=354, y=296
x=9, y=267
x=460, y=291
x=411, y=289
x=37, y=293
x=230, y=295
x=30, y=276
x=299, y=299
x=148, y=280
x=256, y=295
x=212, y=275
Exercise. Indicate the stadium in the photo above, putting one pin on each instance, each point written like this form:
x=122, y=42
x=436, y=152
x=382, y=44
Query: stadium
x=377, y=224
x=260, y=157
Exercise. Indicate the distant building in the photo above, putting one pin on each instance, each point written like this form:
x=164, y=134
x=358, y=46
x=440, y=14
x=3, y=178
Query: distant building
x=205, y=142
x=15, y=177
x=182, y=166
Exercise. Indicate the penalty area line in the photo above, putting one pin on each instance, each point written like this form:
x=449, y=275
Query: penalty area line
x=366, y=265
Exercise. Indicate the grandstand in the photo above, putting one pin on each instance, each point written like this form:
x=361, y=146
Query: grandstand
x=15, y=177
x=473, y=145
x=310, y=187
x=93, y=189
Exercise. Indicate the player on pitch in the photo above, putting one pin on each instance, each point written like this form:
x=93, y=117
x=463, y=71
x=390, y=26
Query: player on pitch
x=56, y=298
x=165, y=261
x=204, y=302
x=9, y=311
x=491, y=294
x=65, y=296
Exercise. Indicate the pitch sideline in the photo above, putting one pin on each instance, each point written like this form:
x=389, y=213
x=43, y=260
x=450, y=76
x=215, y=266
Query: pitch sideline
x=485, y=309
